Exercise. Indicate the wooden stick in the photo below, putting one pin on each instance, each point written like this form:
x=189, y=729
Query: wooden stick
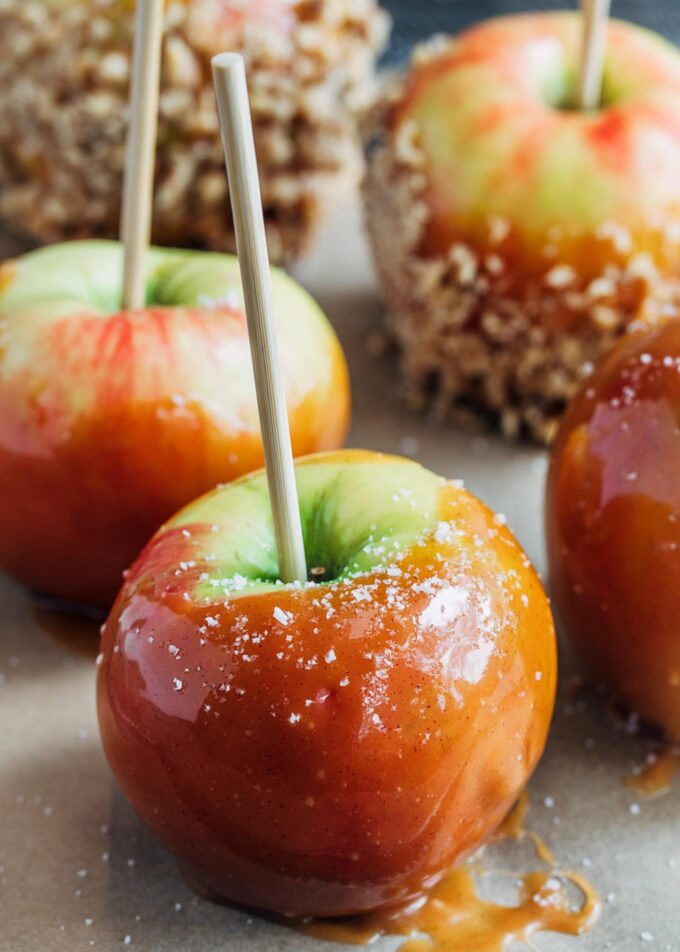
x=141, y=149
x=595, y=14
x=229, y=77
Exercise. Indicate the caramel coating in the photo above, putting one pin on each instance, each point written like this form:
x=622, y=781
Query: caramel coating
x=613, y=523
x=332, y=749
x=116, y=422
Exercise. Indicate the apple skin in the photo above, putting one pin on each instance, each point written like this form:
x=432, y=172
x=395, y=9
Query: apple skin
x=334, y=748
x=613, y=523
x=111, y=420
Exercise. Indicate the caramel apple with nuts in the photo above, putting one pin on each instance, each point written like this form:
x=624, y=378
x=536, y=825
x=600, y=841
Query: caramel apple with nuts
x=517, y=236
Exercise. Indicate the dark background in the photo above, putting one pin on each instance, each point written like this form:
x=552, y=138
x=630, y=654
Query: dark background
x=416, y=19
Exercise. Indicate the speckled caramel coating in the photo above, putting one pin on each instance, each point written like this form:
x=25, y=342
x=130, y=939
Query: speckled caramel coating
x=333, y=748
x=514, y=240
x=64, y=74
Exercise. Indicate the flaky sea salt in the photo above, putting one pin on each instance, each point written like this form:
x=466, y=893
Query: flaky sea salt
x=560, y=276
x=444, y=532
x=283, y=617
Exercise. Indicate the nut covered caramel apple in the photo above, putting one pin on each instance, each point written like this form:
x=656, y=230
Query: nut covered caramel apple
x=111, y=420
x=328, y=748
x=613, y=520
x=64, y=75
x=515, y=236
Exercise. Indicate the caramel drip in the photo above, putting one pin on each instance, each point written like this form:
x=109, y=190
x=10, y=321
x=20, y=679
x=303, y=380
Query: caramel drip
x=453, y=916
x=512, y=827
x=657, y=776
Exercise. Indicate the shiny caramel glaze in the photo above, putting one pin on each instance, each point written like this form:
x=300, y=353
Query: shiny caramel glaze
x=656, y=777
x=453, y=917
x=613, y=523
x=340, y=759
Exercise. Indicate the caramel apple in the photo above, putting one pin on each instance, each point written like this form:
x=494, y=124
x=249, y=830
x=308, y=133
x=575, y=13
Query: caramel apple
x=330, y=747
x=516, y=236
x=613, y=521
x=112, y=419
x=64, y=74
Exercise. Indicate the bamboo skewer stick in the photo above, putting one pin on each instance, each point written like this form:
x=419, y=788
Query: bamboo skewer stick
x=244, y=189
x=141, y=149
x=595, y=14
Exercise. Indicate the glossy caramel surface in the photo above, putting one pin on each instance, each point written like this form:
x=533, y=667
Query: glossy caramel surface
x=613, y=523
x=333, y=749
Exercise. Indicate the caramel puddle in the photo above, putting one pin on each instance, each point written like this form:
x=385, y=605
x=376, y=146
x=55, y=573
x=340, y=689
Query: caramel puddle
x=454, y=917
x=657, y=775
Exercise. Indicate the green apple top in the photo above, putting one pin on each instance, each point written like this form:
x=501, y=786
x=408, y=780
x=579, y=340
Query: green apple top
x=111, y=420
x=503, y=146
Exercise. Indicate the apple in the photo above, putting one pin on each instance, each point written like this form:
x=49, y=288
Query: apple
x=516, y=237
x=613, y=523
x=328, y=748
x=65, y=70
x=112, y=420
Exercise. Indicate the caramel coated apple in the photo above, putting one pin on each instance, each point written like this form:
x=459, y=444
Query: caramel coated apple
x=331, y=748
x=111, y=420
x=517, y=237
x=613, y=522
